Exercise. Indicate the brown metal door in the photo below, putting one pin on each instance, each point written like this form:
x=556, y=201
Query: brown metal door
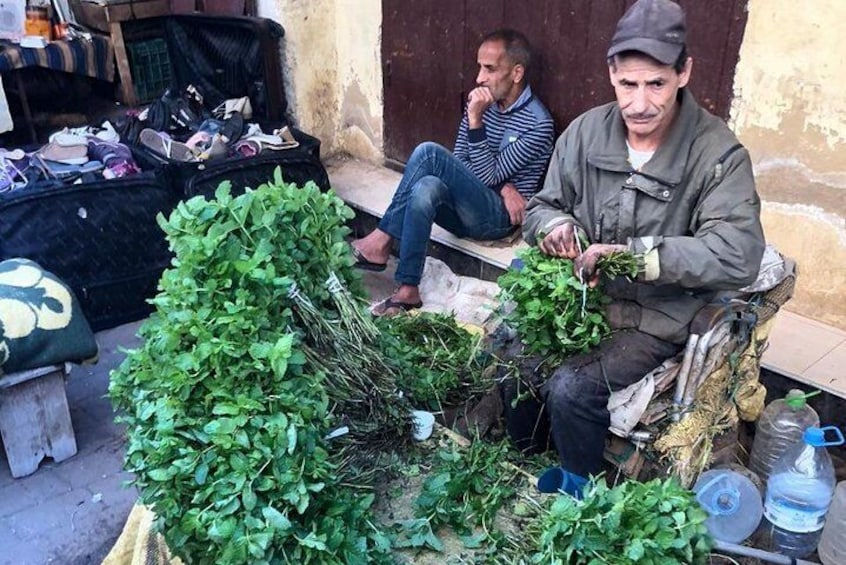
x=429, y=58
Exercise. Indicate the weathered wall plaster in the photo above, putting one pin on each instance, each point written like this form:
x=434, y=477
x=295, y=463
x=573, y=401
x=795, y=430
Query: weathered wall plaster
x=790, y=112
x=332, y=71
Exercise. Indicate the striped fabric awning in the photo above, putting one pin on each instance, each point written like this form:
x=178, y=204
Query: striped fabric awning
x=93, y=58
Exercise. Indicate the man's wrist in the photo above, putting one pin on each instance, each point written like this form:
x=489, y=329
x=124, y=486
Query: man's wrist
x=475, y=125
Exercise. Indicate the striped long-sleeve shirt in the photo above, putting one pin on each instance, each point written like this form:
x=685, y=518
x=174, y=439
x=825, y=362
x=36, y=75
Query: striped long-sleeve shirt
x=513, y=145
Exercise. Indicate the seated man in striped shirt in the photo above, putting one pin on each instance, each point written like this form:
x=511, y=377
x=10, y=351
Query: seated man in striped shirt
x=479, y=190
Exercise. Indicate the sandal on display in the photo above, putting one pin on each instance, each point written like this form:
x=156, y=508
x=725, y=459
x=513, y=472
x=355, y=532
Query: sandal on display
x=163, y=144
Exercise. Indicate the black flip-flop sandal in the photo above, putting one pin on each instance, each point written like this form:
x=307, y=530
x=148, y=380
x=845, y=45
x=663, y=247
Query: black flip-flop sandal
x=361, y=262
x=384, y=308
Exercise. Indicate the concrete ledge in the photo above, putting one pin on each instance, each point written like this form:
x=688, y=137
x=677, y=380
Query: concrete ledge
x=369, y=188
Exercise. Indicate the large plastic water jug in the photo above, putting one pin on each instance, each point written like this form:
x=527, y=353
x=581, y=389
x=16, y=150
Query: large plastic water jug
x=780, y=426
x=832, y=548
x=733, y=503
x=799, y=492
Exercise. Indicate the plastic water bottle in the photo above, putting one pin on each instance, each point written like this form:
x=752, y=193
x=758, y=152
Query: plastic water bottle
x=799, y=491
x=832, y=548
x=780, y=426
x=733, y=503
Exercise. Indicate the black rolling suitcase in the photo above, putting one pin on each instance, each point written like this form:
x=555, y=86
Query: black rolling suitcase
x=226, y=58
x=101, y=238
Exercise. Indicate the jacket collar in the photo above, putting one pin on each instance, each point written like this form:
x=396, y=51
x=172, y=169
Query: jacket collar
x=670, y=160
x=524, y=98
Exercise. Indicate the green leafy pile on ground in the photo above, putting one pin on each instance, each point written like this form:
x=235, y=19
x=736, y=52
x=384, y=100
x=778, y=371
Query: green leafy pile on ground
x=439, y=362
x=478, y=494
x=226, y=420
x=653, y=523
x=463, y=491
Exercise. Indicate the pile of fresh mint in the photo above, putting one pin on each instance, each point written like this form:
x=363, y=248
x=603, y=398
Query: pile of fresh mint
x=227, y=420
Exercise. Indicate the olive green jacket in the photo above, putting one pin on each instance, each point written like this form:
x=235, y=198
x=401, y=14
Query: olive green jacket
x=692, y=210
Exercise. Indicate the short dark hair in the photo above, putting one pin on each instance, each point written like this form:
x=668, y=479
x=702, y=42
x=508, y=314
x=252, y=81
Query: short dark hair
x=517, y=47
x=678, y=66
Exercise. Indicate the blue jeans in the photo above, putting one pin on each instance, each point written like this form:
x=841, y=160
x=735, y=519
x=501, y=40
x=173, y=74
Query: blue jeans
x=437, y=188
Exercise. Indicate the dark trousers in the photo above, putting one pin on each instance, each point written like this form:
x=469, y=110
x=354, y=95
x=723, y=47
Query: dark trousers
x=570, y=408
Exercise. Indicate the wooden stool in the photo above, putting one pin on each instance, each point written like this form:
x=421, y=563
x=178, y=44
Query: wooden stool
x=34, y=418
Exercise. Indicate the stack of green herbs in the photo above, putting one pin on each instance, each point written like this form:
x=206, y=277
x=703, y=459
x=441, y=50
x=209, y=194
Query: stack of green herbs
x=657, y=522
x=226, y=421
x=439, y=362
x=475, y=493
x=554, y=314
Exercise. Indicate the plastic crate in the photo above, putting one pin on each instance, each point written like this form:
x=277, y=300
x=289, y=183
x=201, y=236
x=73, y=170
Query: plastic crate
x=150, y=67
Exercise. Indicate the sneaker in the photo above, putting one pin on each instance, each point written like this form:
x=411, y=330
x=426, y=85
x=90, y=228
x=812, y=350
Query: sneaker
x=13, y=170
x=66, y=154
x=116, y=157
x=68, y=173
x=68, y=138
x=559, y=480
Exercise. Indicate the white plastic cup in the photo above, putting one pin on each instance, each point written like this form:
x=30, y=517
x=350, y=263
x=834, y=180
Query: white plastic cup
x=423, y=423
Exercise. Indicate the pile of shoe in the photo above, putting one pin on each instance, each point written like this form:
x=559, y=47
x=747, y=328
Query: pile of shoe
x=74, y=152
x=180, y=127
x=72, y=155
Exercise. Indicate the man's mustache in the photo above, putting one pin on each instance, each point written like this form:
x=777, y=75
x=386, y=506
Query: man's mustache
x=640, y=116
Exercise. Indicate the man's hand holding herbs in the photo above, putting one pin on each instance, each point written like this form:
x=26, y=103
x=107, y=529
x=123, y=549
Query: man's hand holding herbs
x=561, y=242
x=479, y=100
x=609, y=259
x=514, y=203
x=588, y=263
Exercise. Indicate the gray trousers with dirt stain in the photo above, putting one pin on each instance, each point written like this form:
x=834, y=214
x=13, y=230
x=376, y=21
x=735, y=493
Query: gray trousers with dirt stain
x=570, y=408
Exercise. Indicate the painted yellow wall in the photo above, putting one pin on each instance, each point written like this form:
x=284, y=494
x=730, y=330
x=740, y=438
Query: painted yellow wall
x=333, y=71
x=790, y=112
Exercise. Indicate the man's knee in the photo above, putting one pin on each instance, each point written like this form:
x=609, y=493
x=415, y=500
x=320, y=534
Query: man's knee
x=574, y=392
x=428, y=193
x=566, y=387
x=428, y=149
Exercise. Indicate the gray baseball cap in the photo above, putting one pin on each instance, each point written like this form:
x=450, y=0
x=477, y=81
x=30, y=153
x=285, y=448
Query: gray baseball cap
x=653, y=27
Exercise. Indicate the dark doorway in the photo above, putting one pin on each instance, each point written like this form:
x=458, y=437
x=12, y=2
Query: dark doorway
x=429, y=58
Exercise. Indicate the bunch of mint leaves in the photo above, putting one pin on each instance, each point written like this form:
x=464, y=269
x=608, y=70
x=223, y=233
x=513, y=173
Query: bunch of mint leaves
x=653, y=523
x=225, y=420
x=554, y=313
x=441, y=363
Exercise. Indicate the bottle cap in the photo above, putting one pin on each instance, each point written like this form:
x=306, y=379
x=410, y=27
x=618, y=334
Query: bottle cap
x=815, y=437
x=795, y=399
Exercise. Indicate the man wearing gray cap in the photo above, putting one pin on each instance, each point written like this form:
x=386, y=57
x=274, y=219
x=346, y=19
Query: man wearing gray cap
x=652, y=173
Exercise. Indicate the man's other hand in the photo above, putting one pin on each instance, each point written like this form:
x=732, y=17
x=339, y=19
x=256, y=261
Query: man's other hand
x=479, y=100
x=514, y=203
x=561, y=242
x=586, y=262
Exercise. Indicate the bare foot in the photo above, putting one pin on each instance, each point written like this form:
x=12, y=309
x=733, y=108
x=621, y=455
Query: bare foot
x=405, y=298
x=375, y=247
